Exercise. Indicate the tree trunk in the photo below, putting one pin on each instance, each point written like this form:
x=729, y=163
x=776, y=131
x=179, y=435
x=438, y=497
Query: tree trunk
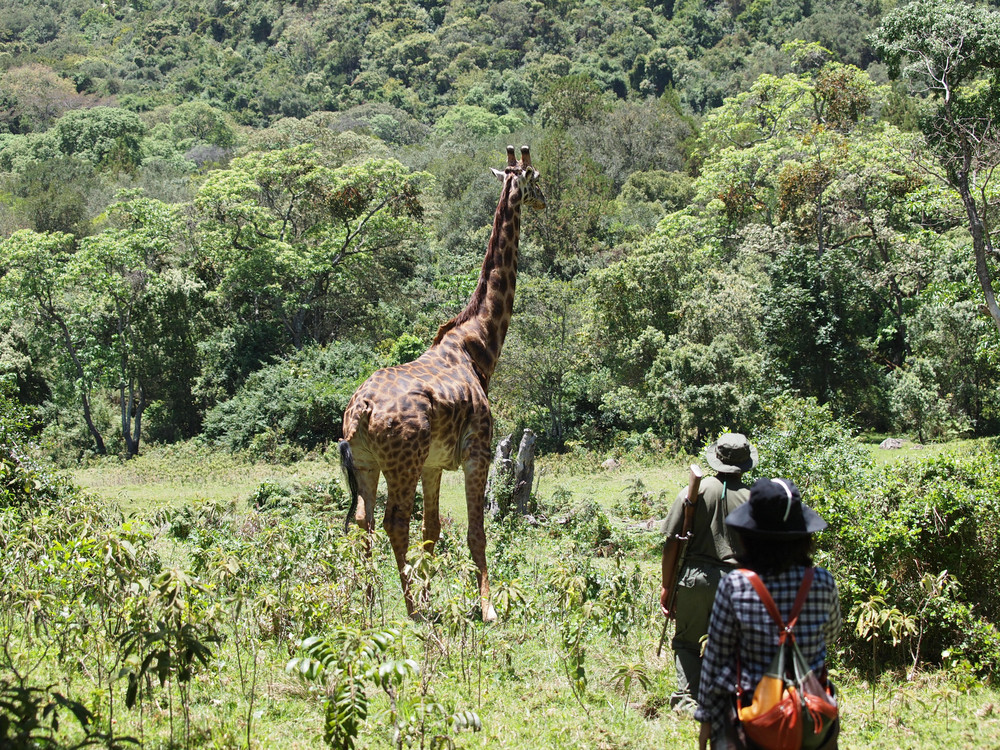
x=131, y=410
x=508, y=488
x=81, y=374
x=981, y=248
x=982, y=245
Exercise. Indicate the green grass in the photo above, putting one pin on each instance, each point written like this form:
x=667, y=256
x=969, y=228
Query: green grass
x=914, y=450
x=177, y=476
x=513, y=673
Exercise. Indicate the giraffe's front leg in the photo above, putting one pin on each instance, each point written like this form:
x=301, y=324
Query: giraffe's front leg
x=477, y=468
x=431, y=483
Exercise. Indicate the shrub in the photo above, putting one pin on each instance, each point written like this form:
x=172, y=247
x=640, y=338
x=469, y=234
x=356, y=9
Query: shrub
x=298, y=401
x=937, y=516
x=809, y=446
x=24, y=481
x=895, y=530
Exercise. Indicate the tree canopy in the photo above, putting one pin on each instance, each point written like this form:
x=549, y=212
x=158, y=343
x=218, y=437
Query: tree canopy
x=745, y=203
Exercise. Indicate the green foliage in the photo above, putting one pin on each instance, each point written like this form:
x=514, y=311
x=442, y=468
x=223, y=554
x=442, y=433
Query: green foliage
x=107, y=137
x=172, y=643
x=347, y=661
x=55, y=195
x=297, y=401
x=804, y=441
x=29, y=718
x=945, y=51
x=541, y=380
x=405, y=349
x=933, y=515
x=572, y=620
x=278, y=226
x=464, y=121
x=200, y=122
x=25, y=482
x=641, y=504
x=914, y=398
x=818, y=331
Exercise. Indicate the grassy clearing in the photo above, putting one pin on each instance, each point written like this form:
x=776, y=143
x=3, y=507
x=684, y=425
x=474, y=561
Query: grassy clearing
x=174, y=476
x=517, y=675
x=911, y=449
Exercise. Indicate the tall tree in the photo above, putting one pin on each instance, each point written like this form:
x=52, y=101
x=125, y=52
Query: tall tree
x=949, y=52
x=115, y=306
x=277, y=227
x=130, y=298
x=539, y=383
x=37, y=282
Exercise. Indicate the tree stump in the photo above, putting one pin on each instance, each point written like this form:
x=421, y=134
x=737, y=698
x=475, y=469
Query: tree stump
x=508, y=488
x=524, y=474
x=500, y=482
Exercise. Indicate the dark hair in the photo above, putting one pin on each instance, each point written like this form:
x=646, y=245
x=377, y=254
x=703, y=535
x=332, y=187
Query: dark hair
x=766, y=555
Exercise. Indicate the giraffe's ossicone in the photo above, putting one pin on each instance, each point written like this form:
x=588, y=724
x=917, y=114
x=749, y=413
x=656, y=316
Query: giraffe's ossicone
x=415, y=420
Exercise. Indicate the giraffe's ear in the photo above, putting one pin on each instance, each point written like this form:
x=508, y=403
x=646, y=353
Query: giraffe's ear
x=499, y=175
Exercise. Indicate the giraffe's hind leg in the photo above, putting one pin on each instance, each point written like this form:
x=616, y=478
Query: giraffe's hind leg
x=367, y=492
x=402, y=487
x=365, y=517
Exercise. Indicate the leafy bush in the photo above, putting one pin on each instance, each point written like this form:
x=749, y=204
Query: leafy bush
x=24, y=481
x=641, y=504
x=938, y=516
x=809, y=446
x=297, y=401
x=893, y=530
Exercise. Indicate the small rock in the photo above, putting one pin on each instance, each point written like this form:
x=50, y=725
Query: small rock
x=611, y=464
x=891, y=444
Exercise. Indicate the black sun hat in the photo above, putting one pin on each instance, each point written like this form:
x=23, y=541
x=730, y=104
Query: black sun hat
x=731, y=454
x=775, y=511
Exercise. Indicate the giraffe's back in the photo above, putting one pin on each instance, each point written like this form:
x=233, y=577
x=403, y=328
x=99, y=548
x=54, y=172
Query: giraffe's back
x=425, y=409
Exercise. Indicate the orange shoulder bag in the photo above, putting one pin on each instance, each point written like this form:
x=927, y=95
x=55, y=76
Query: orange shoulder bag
x=790, y=707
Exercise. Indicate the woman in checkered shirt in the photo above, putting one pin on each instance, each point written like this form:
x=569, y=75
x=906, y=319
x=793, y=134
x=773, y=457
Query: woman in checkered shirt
x=775, y=531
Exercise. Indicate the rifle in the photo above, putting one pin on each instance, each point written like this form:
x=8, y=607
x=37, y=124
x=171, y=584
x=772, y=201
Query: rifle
x=672, y=552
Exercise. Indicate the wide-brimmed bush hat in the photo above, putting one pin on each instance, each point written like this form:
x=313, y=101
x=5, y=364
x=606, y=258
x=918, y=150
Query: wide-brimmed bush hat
x=731, y=454
x=775, y=511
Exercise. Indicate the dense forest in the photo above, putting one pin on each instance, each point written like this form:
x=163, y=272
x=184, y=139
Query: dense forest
x=218, y=217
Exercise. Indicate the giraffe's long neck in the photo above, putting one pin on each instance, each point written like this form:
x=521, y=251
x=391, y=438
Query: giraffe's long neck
x=482, y=326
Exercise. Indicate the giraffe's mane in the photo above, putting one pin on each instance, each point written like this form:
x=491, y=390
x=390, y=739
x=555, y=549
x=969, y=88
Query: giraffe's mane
x=489, y=263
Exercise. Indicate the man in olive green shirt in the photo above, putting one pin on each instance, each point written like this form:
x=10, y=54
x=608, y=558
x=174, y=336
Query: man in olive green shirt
x=708, y=557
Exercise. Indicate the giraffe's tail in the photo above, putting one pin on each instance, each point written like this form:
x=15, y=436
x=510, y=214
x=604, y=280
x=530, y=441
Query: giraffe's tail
x=351, y=475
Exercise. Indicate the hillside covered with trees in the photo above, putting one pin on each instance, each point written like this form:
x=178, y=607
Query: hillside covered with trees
x=218, y=217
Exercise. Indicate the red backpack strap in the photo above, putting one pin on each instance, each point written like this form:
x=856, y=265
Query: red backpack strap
x=800, y=598
x=772, y=608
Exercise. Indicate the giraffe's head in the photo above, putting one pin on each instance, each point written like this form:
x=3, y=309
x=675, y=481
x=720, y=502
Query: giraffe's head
x=526, y=176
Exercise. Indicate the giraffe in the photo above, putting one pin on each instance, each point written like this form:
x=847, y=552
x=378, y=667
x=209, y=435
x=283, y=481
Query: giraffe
x=415, y=420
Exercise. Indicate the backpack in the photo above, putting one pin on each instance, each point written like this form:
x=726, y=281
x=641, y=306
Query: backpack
x=791, y=709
